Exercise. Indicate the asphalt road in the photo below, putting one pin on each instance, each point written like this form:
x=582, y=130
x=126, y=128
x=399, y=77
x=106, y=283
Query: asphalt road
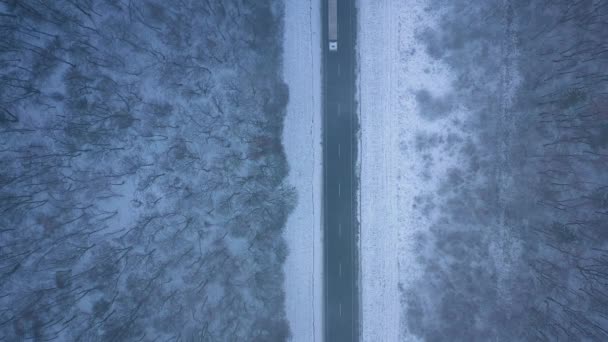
x=340, y=269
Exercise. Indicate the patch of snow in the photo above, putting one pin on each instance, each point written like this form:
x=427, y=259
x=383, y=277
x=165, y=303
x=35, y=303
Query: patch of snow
x=393, y=68
x=302, y=141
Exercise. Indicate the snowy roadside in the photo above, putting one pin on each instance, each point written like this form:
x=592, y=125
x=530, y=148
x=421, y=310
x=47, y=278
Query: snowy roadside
x=392, y=67
x=302, y=141
x=379, y=273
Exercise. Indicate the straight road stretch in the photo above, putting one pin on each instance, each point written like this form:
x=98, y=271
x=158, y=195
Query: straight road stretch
x=340, y=226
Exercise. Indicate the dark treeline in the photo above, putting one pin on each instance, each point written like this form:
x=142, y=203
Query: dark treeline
x=518, y=248
x=141, y=171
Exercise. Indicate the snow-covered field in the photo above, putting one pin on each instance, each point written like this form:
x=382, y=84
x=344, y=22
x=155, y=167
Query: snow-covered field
x=393, y=67
x=466, y=145
x=302, y=141
x=379, y=272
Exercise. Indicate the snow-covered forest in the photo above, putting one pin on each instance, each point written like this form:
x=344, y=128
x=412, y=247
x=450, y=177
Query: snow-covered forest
x=142, y=191
x=515, y=172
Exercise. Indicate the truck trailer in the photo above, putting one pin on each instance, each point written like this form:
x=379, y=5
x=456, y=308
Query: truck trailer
x=332, y=24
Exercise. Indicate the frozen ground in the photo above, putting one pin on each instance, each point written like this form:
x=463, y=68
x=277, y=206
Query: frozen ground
x=302, y=141
x=392, y=68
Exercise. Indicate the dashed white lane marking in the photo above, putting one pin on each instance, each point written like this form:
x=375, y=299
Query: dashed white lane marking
x=339, y=189
x=339, y=153
x=340, y=309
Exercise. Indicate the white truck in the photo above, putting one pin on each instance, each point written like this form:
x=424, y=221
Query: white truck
x=332, y=24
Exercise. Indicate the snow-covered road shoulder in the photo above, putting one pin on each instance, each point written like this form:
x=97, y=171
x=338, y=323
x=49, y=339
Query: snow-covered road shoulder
x=391, y=67
x=302, y=141
x=378, y=236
